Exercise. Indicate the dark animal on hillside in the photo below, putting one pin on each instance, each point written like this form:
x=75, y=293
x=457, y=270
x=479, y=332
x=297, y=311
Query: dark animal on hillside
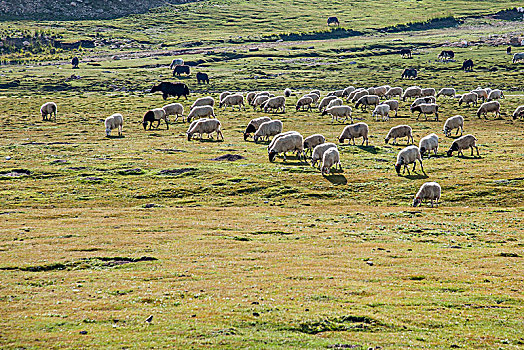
x=409, y=73
x=176, y=89
x=155, y=115
x=74, y=62
x=467, y=66
x=202, y=77
x=181, y=69
x=405, y=53
x=446, y=54
x=508, y=50
x=333, y=20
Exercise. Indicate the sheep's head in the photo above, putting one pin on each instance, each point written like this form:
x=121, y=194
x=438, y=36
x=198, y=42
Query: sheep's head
x=108, y=132
x=341, y=139
x=155, y=88
x=298, y=107
x=189, y=136
x=415, y=109
x=450, y=151
x=144, y=123
x=324, y=112
x=397, y=168
x=246, y=136
x=417, y=201
x=272, y=155
x=422, y=150
x=386, y=140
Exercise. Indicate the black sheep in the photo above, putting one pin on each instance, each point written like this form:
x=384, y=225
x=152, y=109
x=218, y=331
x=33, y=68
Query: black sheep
x=173, y=89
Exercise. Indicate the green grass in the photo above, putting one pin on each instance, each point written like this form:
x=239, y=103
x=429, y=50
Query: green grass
x=253, y=254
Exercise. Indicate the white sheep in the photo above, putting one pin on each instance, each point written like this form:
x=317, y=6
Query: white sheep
x=481, y=93
x=426, y=108
x=200, y=112
x=406, y=156
x=250, y=97
x=429, y=191
x=335, y=102
x=339, y=112
x=318, y=152
x=116, y=121
x=253, y=126
x=48, y=109
x=351, y=132
x=267, y=129
x=421, y=100
x=325, y=102
x=488, y=107
x=455, y=122
x=175, y=109
x=259, y=101
x=393, y=105
x=205, y=126
x=519, y=112
x=292, y=142
x=451, y=92
x=315, y=97
x=331, y=158
x=412, y=92
x=305, y=103
x=399, y=131
x=367, y=100
x=428, y=92
x=462, y=143
x=359, y=94
x=468, y=98
x=337, y=93
x=428, y=143
x=381, y=90
x=353, y=93
x=275, y=103
x=233, y=100
x=348, y=90
x=313, y=141
x=224, y=94
x=203, y=101
x=277, y=137
x=394, y=91
x=495, y=95
x=381, y=110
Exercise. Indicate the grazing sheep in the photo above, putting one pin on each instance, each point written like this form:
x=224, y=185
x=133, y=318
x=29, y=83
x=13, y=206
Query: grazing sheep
x=250, y=97
x=305, y=103
x=336, y=102
x=381, y=90
x=205, y=126
x=399, y=131
x=351, y=132
x=481, y=93
x=262, y=93
x=426, y=108
x=325, y=102
x=367, y=100
x=318, y=152
x=316, y=92
x=330, y=158
x=224, y=94
x=315, y=97
x=348, y=90
x=277, y=137
x=353, y=93
x=156, y=114
x=371, y=91
x=518, y=56
x=519, y=112
x=175, y=109
x=393, y=105
x=203, y=101
x=421, y=100
x=253, y=126
x=275, y=103
x=337, y=93
x=313, y=141
x=406, y=156
x=462, y=143
x=116, y=121
x=292, y=142
x=455, y=122
x=394, y=91
x=48, y=109
x=233, y=100
x=267, y=129
x=287, y=92
x=495, y=95
x=487, y=107
x=412, y=92
x=451, y=92
x=428, y=92
x=359, y=94
x=429, y=191
x=382, y=110
x=201, y=112
x=428, y=143
x=339, y=112
x=259, y=101
x=468, y=98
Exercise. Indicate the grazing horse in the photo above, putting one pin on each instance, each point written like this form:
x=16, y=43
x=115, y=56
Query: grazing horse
x=405, y=53
x=467, y=66
x=333, y=20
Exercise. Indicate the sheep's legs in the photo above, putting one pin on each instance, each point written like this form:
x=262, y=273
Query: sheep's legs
x=432, y=203
x=421, y=167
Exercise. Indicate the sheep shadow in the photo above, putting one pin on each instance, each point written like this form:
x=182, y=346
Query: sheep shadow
x=369, y=149
x=336, y=179
x=454, y=137
x=469, y=157
x=298, y=162
x=210, y=140
x=115, y=137
x=416, y=176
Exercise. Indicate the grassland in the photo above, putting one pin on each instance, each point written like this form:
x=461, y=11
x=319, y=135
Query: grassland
x=99, y=233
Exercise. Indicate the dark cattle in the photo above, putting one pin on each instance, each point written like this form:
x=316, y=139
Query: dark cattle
x=333, y=20
x=181, y=69
x=176, y=89
x=446, y=54
x=467, y=66
x=74, y=62
x=409, y=73
x=202, y=77
x=405, y=53
x=508, y=50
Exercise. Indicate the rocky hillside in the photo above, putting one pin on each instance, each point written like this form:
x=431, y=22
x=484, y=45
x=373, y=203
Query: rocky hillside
x=77, y=9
